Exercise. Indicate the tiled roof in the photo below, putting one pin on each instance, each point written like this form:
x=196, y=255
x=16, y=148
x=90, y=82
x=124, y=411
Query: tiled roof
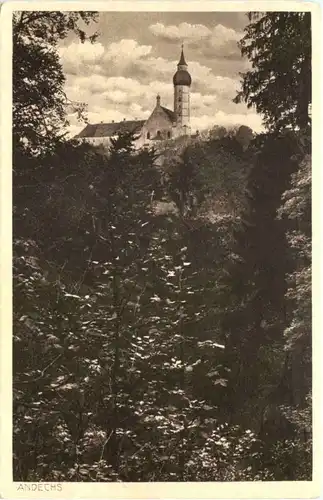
x=169, y=113
x=111, y=129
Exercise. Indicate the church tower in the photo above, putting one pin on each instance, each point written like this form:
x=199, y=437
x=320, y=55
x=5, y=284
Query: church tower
x=182, y=81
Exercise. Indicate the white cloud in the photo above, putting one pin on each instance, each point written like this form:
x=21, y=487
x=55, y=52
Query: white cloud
x=117, y=96
x=119, y=90
x=223, y=85
x=119, y=83
x=76, y=55
x=156, y=66
x=86, y=58
x=219, y=35
x=184, y=31
x=126, y=50
x=94, y=83
x=137, y=112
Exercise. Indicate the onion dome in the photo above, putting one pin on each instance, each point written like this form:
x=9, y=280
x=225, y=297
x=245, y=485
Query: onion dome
x=182, y=76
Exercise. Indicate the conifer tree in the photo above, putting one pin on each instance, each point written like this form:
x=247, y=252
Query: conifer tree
x=278, y=44
x=257, y=316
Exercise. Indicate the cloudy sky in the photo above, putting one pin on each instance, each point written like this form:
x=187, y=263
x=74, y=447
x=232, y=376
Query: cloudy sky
x=135, y=58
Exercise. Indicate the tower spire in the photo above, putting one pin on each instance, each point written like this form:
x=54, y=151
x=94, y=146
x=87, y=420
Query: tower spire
x=182, y=61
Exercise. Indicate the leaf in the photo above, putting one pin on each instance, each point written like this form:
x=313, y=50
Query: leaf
x=221, y=381
x=72, y=296
x=155, y=298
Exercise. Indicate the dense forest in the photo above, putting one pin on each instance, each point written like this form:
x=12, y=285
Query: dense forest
x=162, y=298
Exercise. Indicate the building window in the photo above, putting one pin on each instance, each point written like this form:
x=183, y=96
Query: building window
x=158, y=134
x=169, y=134
x=148, y=135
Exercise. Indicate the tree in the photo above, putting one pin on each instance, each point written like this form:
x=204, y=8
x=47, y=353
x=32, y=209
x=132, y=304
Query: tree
x=278, y=45
x=39, y=100
x=89, y=320
x=255, y=315
x=266, y=375
x=41, y=155
x=209, y=176
x=296, y=208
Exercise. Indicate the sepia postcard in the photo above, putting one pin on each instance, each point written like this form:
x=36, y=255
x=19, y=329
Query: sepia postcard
x=160, y=249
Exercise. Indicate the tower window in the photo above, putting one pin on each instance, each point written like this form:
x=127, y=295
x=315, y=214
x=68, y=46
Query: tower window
x=169, y=134
x=158, y=134
x=148, y=135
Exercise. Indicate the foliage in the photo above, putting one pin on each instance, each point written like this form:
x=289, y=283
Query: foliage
x=121, y=359
x=263, y=374
x=39, y=100
x=278, y=45
x=297, y=208
x=211, y=174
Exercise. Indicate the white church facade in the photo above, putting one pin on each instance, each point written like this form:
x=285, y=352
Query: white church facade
x=163, y=123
